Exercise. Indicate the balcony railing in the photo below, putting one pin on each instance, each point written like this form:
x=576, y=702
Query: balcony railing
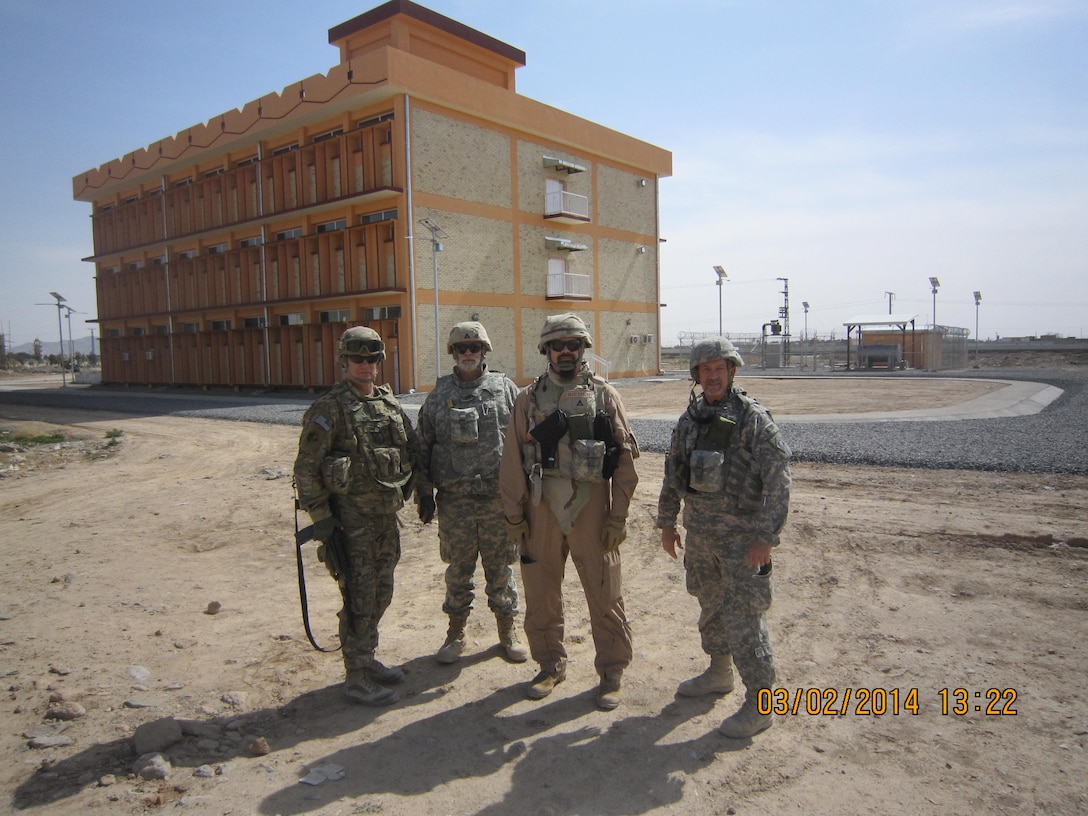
x=567, y=284
x=564, y=206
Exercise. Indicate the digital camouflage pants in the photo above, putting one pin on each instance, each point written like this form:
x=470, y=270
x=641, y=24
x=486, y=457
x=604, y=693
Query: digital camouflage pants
x=471, y=526
x=373, y=542
x=733, y=602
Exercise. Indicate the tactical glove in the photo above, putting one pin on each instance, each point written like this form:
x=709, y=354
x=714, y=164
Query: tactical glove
x=426, y=506
x=324, y=529
x=613, y=533
x=518, y=532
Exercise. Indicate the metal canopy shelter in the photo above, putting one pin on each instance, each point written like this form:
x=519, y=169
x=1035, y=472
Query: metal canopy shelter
x=882, y=321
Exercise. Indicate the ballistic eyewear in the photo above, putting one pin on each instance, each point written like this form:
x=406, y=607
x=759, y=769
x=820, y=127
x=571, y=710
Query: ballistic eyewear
x=468, y=348
x=359, y=345
x=569, y=345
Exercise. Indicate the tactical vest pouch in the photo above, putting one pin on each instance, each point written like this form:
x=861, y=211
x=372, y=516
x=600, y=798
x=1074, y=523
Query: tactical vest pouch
x=389, y=468
x=464, y=426
x=720, y=432
x=580, y=426
x=587, y=460
x=336, y=474
x=706, y=471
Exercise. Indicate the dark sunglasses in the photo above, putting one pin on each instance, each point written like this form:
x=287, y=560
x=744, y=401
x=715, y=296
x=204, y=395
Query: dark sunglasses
x=569, y=345
x=468, y=348
x=357, y=359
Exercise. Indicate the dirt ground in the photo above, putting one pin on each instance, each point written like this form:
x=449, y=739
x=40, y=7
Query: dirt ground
x=148, y=577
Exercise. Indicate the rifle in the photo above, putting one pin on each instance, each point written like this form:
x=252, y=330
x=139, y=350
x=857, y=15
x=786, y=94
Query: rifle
x=334, y=555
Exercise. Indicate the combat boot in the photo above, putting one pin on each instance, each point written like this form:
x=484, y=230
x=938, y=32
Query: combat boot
x=450, y=652
x=508, y=639
x=717, y=679
x=545, y=682
x=361, y=689
x=746, y=722
x=380, y=673
x=608, y=692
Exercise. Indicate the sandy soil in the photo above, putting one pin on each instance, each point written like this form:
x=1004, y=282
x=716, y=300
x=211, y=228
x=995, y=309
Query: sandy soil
x=892, y=584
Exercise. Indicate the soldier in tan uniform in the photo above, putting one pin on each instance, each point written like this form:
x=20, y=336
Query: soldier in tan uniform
x=567, y=477
x=729, y=465
x=353, y=473
x=461, y=428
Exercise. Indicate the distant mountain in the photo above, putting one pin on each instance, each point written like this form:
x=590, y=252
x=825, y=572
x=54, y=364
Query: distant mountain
x=82, y=345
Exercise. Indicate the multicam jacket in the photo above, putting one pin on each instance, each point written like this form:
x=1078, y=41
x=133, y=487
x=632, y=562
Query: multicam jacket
x=730, y=465
x=462, y=426
x=355, y=449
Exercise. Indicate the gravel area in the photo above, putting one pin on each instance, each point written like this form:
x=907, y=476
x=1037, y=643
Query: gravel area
x=1052, y=441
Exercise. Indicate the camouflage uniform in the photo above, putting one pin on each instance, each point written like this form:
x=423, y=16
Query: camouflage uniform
x=461, y=428
x=730, y=466
x=567, y=502
x=354, y=464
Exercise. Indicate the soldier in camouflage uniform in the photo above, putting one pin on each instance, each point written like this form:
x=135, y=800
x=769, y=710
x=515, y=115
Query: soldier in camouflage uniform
x=730, y=465
x=461, y=428
x=567, y=477
x=354, y=472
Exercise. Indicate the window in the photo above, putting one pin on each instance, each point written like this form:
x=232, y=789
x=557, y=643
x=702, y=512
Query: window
x=377, y=120
x=255, y=241
x=332, y=226
x=279, y=151
x=217, y=249
x=136, y=331
x=190, y=328
x=287, y=235
x=132, y=267
x=293, y=319
x=332, y=134
x=161, y=328
x=375, y=218
x=220, y=325
x=216, y=172
x=381, y=313
x=334, y=316
x=187, y=255
x=253, y=322
x=113, y=332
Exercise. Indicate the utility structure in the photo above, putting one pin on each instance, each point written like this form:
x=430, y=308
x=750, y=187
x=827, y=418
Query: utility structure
x=891, y=297
x=804, y=337
x=784, y=315
x=722, y=277
x=60, y=331
x=436, y=247
x=978, y=300
x=934, y=286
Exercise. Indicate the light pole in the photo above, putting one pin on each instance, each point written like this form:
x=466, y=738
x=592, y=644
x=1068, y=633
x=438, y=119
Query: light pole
x=722, y=277
x=436, y=247
x=891, y=297
x=935, y=284
x=804, y=342
x=978, y=300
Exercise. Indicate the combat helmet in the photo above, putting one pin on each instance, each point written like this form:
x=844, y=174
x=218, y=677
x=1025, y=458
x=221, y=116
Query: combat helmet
x=470, y=331
x=556, y=327
x=361, y=340
x=713, y=348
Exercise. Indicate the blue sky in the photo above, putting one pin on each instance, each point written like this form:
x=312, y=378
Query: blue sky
x=855, y=148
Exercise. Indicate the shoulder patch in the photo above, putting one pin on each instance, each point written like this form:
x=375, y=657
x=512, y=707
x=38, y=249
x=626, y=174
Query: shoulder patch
x=323, y=423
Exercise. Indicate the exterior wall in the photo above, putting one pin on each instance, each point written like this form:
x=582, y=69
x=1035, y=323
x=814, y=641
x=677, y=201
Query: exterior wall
x=236, y=252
